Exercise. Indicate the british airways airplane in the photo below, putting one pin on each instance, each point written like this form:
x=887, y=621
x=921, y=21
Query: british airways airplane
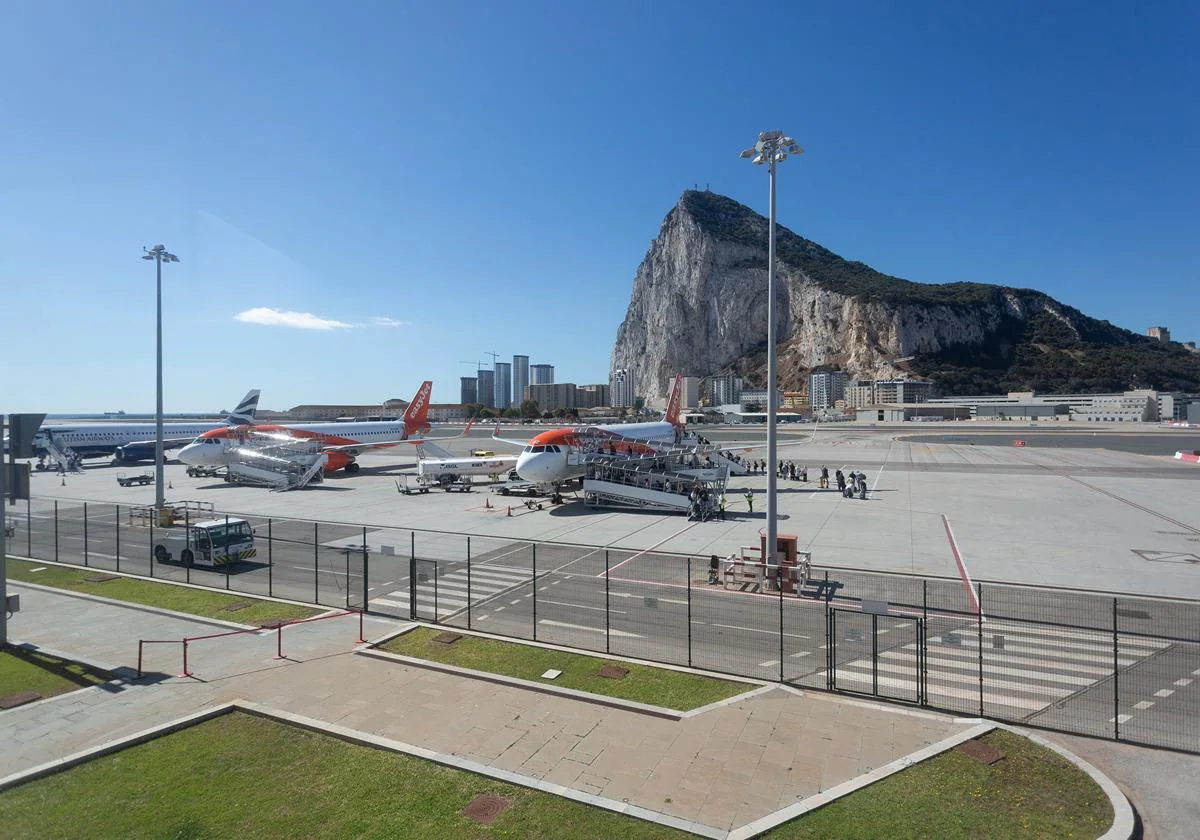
x=132, y=442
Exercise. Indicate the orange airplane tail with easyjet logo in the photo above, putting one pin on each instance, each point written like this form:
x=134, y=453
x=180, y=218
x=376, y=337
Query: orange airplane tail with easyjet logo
x=672, y=414
x=414, y=415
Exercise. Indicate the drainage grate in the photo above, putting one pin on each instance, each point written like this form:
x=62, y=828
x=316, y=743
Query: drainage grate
x=614, y=672
x=485, y=808
x=447, y=638
x=980, y=751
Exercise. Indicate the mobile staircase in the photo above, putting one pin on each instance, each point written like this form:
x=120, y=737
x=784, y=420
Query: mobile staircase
x=279, y=465
x=62, y=456
x=675, y=479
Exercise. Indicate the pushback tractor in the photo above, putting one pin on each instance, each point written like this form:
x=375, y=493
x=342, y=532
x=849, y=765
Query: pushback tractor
x=213, y=543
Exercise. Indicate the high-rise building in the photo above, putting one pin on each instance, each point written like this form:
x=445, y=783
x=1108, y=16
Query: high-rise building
x=486, y=388
x=591, y=396
x=621, y=388
x=690, y=398
x=825, y=388
x=503, y=385
x=902, y=391
x=726, y=390
x=541, y=374
x=549, y=396
x=520, y=377
x=469, y=390
x=859, y=393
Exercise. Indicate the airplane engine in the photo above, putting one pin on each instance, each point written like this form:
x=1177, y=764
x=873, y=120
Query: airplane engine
x=335, y=461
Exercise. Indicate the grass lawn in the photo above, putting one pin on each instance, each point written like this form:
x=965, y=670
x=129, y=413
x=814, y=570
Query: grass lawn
x=643, y=683
x=26, y=670
x=168, y=596
x=243, y=776
x=1032, y=792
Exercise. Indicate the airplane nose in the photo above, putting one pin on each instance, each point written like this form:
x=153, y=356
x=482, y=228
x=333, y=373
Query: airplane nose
x=533, y=467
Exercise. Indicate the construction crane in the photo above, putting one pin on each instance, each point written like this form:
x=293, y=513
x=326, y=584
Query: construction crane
x=494, y=357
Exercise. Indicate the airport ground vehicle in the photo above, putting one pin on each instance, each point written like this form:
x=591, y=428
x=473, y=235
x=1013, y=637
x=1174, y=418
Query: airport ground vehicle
x=214, y=542
x=130, y=480
x=204, y=472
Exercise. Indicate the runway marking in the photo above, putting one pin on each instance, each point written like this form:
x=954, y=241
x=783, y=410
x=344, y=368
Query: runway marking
x=38, y=569
x=592, y=629
x=1164, y=692
x=801, y=653
x=1143, y=705
x=580, y=606
x=646, y=550
x=1183, y=682
x=962, y=567
x=1120, y=718
x=768, y=663
x=774, y=633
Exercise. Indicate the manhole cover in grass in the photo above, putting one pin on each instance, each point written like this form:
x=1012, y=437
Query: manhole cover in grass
x=447, y=638
x=980, y=751
x=613, y=672
x=19, y=699
x=99, y=578
x=485, y=808
x=240, y=605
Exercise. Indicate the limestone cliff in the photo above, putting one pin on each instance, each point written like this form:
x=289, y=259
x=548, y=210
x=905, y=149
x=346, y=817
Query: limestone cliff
x=699, y=307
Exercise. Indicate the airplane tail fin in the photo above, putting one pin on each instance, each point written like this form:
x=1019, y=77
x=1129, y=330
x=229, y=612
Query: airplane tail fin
x=414, y=415
x=243, y=415
x=673, y=401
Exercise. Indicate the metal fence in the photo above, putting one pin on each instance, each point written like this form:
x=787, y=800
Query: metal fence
x=1121, y=667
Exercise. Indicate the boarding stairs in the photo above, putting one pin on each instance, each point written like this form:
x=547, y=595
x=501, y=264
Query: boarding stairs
x=279, y=465
x=66, y=458
x=665, y=481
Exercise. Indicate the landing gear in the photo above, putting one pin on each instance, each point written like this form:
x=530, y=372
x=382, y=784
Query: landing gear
x=353, y=467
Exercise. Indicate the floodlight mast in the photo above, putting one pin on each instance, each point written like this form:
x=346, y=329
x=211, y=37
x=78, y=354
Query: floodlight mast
x=772, y=148
x=160, y=255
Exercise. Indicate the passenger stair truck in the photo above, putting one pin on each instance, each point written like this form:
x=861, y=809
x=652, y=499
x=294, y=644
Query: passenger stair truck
x=673, y=479
x=280, y=465
x=61, y=455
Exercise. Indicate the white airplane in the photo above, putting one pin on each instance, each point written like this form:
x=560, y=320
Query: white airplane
x=132, y=442
x=341, y=442
x=547, y=458
x=444, y=467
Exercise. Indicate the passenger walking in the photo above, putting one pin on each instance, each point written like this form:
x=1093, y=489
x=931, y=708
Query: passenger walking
x=824, y=477
x=804, y=473
x=841, y=479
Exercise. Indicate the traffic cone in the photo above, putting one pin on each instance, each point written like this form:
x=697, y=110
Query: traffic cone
x=64, y=481
x=510, y=510
x=170, y=486
x=487, y=503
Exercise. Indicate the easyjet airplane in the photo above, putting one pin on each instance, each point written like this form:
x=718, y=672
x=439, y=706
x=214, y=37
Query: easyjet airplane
x=341, y=442
x=548, y=457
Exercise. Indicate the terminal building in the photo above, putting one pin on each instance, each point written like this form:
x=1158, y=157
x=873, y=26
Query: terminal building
x=1128, y=407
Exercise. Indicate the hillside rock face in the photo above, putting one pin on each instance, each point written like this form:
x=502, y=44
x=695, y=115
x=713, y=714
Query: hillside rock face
x=699, y=306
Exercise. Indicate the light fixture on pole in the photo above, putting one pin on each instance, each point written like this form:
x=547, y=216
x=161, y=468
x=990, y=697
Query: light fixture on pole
x=160, y=255
x=773, y=147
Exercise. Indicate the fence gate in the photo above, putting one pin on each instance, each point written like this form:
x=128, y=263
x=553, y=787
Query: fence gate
x=877, y=654
x=423, y=590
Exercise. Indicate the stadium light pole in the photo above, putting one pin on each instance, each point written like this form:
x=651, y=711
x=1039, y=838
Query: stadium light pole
x=160, y=255
x=772, y=148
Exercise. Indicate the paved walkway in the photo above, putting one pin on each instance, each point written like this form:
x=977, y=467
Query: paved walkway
x=722, y=769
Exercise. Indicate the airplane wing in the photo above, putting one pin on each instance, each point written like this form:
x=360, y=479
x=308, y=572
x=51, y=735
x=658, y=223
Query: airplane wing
x=378, y=444
x=168, y=443
x=496, y=436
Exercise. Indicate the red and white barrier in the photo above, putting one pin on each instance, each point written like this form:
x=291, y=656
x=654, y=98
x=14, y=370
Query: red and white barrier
x=1187, y=456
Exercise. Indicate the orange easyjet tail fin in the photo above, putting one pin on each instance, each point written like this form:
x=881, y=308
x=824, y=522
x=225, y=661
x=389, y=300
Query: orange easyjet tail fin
x=673, y=400
x=414, y=415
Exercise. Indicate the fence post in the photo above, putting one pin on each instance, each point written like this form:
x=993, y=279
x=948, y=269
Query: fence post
x=227, y=561
x=29, y=527
x=535, y=592
x=186, y=672
x=187, y=541
x=366, y=592
x=152, y=552
x=979, y=623
x=118, y=527
x=1116, y=678
x=689, y=610
x=316, y=561
x=607, y=633
x=829, y=653
x=468, y=582
x=139, y=668
x=56, y=530
x=85, y=536
x=348, y=550
x=412, y=587
x=779, y=582
x=270, y=560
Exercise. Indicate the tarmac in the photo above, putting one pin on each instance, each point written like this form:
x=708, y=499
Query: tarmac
x=727, y=772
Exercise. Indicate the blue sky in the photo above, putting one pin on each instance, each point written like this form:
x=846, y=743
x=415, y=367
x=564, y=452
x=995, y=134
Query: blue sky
x=449, y=179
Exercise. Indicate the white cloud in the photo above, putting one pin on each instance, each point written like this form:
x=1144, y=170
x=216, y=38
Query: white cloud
x=268, y=317
x=384, y=321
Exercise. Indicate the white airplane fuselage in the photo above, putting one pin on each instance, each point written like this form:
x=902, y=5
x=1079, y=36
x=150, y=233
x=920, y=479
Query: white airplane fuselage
x=546, y=458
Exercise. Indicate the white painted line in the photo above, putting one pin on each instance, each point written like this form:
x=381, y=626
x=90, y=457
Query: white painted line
x=555, y=583
x=1144, y=704
x=579, y=606
x=768, y=663
x=1120, y=719
x=499, y=608
x=388, y=603
x=1196, y=673
x=801, y=653
x=514, y=603
x=388, y=583
x=592, y=629
x=1164, y=692
x=643, y=595
x=647, y=550
x=1182, y=682
x=481, y=618
x=774, y=633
